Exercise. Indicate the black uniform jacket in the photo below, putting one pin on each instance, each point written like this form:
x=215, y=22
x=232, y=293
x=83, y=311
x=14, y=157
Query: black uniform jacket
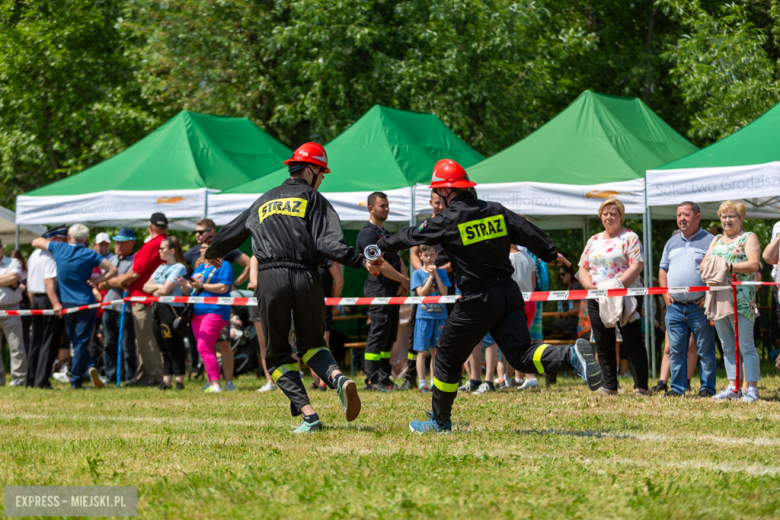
x=476, y=236
x=291, y=226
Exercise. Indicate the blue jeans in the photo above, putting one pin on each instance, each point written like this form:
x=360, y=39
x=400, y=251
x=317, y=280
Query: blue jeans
x=111, y=319
x=80, y=326
x=747, y=347
x=681, y=321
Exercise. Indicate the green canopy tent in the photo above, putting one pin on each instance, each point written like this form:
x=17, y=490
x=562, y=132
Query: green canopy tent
x=385, y=150
x=599, y=147
x=744, y=165
x=172, y=170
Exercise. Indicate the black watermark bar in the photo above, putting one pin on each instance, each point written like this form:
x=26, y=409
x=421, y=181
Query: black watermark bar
x=71, y=501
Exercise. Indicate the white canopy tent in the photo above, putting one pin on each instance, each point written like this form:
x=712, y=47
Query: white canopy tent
x=10, y=232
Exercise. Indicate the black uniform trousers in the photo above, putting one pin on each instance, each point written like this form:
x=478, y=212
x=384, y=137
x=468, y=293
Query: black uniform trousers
x=633, y=346
x=281, y=292
x=171, y=345
x=411, y=366
x=44, y=344
x=380, y=338
x=499, y=310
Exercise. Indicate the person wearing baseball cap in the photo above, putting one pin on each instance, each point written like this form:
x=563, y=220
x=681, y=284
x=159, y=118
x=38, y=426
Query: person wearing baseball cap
x=102, y=245
x=123, y=257
x=145, y=262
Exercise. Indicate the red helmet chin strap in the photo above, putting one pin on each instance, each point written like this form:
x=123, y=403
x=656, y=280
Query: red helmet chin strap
x=444, y=197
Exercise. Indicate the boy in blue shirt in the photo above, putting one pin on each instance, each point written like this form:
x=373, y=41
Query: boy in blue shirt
x=428, y=281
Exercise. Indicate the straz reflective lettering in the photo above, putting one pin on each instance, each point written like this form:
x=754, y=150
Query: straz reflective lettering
x=482, y=229
x=291, y=207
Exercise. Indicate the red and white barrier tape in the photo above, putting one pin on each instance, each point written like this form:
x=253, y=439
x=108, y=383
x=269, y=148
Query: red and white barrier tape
x=541, y=296
x=49, y=312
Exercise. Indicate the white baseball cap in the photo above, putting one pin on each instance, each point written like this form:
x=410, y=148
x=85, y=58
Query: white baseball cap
x=102, y=238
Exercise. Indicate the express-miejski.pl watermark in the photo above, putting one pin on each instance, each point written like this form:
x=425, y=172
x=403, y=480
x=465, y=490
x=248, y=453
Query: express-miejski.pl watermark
x=71, y=501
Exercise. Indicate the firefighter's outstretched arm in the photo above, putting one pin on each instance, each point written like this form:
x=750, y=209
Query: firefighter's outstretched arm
x=329, y=238
x=430, y=231
x=230, y=237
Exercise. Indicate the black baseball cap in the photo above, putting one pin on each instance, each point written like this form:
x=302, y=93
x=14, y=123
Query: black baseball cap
x=159, y=219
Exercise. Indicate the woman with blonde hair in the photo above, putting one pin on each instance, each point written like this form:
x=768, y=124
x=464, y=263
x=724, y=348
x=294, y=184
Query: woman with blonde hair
x=741, y=251
x=615, y=254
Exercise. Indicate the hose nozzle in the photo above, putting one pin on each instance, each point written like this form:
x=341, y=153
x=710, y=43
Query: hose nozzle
x=372, y=253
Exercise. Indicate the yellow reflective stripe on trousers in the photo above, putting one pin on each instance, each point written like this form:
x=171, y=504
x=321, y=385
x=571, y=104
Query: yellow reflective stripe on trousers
x=445, y=387
x=385, y=355
x=371, y=357
x=538, y=357
x=311, y=352
x=282, y=370
x=411, y=357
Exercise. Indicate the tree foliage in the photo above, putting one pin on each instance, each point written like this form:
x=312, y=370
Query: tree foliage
x=82, y=80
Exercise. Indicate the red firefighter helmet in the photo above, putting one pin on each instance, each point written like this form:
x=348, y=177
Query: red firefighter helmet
x=449, y=174
x=310, y=153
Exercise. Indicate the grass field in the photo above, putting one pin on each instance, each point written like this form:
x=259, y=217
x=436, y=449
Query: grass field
x=556, y=453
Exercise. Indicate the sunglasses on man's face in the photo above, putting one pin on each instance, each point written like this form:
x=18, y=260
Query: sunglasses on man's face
x=561, y=274
x=201, y=231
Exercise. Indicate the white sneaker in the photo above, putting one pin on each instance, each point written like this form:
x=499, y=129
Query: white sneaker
x=104, y=379
x=484, y=388
x=229, y=386
x=269, y=386
x=16, y=382
x=528, y=383
x=213, y=389
x=62, y=377
x=751, y=395
x=724, y=394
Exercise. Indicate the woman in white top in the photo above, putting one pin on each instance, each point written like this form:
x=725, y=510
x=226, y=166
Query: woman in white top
x=615, y=253
x=164, y=282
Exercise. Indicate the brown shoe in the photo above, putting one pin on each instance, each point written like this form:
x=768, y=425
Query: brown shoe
x=93, y=373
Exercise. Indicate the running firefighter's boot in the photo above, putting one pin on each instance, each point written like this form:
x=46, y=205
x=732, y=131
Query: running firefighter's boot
x=584, y=362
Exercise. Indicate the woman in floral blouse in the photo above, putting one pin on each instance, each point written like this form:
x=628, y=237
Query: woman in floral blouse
x=741, y=251
x=616, y=253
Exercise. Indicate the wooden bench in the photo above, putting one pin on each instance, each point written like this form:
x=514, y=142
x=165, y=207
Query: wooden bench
x=349, y=347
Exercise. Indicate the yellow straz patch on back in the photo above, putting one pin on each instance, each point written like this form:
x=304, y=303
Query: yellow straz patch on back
x=482, y=229
x=292, y=207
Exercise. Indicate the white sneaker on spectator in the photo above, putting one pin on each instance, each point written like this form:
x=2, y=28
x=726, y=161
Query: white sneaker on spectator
x=724, y=394
x=104, y=379
x=528, y=383
x=62, y=377
x=751, y=395
x=16, y=382
x=484, y=388
x=229, y=386
x=269, y=386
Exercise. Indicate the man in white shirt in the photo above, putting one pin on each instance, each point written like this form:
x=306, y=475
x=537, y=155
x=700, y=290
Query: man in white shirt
x=46, y=330
x=11, y=326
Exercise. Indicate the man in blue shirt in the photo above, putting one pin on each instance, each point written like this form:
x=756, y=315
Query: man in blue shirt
x=679, y=267
x=75, y=263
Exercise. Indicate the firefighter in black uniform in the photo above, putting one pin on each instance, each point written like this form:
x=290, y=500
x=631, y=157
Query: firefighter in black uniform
x=294, y=229
x=391, y=281
x=476, y=236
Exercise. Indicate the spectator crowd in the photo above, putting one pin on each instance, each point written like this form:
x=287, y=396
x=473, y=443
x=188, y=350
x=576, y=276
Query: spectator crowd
x=147, y=343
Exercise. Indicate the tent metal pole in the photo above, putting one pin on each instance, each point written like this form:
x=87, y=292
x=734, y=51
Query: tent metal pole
x=412, y=222
x=17, y=237
x=206, y=204
x=650, y=269
x=648, y=316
